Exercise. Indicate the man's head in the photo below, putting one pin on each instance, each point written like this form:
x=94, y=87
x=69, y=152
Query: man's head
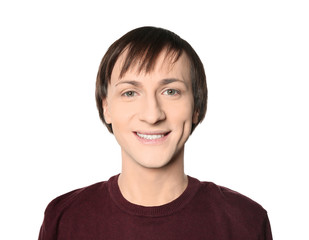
x=140, y=50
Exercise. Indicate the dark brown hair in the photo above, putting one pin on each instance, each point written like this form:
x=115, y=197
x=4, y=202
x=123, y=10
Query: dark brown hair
x=143, y=46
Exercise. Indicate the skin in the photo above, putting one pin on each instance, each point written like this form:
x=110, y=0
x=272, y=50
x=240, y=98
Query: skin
x=151, y=116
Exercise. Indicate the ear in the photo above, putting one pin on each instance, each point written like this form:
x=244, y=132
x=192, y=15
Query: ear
x=195, y=117
x=106, y=112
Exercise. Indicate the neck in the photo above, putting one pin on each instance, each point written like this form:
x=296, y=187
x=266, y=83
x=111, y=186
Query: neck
x=152, y=186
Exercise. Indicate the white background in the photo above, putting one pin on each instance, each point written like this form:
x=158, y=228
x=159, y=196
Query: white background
x=255, y=135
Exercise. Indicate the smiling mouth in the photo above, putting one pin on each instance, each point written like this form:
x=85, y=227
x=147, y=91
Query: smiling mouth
x=150, y=137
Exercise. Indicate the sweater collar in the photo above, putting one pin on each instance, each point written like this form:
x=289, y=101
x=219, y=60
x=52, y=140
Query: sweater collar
x=156, y=211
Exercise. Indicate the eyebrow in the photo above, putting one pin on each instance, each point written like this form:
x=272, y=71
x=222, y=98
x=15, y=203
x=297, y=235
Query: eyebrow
x=171, y=80
x=163, y=82
x=132, y=82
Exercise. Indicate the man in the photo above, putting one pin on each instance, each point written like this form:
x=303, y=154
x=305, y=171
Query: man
x=151, y=93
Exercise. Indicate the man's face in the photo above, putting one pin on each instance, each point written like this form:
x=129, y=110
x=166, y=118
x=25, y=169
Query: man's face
x=151, y=113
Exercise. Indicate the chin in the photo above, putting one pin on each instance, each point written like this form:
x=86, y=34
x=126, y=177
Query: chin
x=156, y=161
x=153, y=163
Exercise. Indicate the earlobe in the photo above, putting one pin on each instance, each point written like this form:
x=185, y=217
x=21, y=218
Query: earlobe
x=106, y=113
x=195, y=117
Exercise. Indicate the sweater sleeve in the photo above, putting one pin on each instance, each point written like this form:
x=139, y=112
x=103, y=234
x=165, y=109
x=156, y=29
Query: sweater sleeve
x=267, y=229
x=53, y=214
x=49, y=227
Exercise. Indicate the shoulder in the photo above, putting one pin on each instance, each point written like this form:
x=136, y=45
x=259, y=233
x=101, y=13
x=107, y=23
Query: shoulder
x=228, y=197
x=76, y=197
x=233, y=205
x=69, y=204
x=242, y=217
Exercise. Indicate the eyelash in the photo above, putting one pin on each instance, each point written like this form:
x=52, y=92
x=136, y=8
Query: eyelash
x=168, y=92
x=129, y=94
x=175, y=92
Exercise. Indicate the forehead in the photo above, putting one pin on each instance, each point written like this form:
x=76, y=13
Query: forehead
x=166, y=63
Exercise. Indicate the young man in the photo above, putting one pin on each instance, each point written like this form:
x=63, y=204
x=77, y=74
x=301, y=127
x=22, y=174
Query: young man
x=151, y=94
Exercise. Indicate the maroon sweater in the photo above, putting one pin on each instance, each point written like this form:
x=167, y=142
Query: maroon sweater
x=203, y=211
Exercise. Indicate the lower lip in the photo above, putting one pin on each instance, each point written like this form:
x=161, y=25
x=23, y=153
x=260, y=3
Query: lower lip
x=152, y=141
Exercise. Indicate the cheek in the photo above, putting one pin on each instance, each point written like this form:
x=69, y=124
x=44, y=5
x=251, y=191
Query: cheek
x=121, y=113
x=182, y=113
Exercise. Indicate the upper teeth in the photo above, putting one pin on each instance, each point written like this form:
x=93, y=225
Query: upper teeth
x=151, y=137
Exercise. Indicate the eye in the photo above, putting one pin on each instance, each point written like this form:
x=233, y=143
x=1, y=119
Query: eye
x=171, y=92
x=129, y=94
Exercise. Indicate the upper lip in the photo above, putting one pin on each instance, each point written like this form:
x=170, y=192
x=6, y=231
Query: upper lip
x=153, y=132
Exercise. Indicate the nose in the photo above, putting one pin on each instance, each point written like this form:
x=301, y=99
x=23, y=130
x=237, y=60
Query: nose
x=152, y=111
